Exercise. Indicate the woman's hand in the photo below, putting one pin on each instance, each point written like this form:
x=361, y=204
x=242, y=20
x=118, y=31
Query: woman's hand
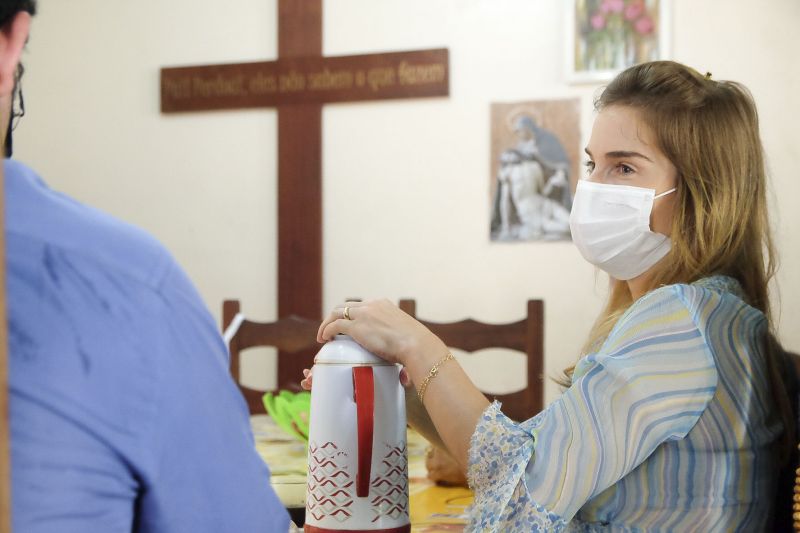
x=443, y=469
x=452, y=401
x=383, y=329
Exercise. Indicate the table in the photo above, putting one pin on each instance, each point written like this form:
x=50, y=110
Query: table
x=434, y=509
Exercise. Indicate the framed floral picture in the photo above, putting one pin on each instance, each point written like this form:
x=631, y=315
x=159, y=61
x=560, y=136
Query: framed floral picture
x=607, y=36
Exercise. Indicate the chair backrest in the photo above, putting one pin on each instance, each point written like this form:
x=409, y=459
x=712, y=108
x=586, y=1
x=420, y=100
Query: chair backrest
x=792, y=498
x=294, y=337
x=526, y=336
x=787, y=507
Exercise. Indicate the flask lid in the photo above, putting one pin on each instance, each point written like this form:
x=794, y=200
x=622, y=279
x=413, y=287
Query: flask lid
x=343, y=350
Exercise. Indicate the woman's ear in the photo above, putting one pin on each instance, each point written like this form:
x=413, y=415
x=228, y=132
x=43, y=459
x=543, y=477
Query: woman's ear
x=12, y=40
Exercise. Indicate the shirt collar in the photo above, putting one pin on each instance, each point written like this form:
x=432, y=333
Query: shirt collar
x=721, y=283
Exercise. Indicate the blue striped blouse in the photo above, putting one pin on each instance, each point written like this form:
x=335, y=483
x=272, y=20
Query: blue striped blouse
x=670, y=426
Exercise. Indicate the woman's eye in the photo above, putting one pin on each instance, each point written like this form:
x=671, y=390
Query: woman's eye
x=589, y=166
x=625, y=169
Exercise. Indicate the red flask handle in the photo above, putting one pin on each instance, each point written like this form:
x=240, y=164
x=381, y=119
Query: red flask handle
x=364, y=396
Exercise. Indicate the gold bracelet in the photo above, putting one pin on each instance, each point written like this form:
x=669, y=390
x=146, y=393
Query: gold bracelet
x=432, y=374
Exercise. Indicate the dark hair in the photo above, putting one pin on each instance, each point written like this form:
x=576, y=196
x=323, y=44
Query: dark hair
x=9, y=8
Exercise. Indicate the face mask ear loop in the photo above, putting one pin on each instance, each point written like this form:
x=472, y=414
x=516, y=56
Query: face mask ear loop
x=656, y=197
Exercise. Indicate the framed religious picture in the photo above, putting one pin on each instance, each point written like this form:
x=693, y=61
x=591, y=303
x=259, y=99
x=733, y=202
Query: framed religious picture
x=534, y=168
x=607, y=36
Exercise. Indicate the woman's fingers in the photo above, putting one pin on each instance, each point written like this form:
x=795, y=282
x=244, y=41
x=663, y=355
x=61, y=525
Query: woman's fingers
x=380, y=327
x=405, y=379
x=336, y=327
x=338, y=314
x=332, y=317
x=306, y=382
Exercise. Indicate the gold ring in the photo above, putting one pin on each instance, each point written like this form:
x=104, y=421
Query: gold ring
x=346, y=313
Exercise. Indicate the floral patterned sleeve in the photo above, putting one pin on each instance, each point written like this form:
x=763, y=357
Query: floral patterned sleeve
x=499, y=452
x=649, y=383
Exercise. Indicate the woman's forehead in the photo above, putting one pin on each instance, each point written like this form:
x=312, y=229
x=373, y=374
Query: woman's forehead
x=621, y=128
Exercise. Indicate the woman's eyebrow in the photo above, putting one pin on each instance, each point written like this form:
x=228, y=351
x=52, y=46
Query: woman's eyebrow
x=621, y=154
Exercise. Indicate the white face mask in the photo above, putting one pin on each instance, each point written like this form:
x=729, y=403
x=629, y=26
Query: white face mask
x=611, y=227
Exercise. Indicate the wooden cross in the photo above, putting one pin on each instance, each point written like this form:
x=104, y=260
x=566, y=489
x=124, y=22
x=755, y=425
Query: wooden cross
x=298, y=84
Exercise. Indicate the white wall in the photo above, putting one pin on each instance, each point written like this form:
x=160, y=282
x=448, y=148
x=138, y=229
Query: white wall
x=405, y=182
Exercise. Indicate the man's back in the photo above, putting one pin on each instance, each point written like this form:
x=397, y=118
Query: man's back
x=122, y=408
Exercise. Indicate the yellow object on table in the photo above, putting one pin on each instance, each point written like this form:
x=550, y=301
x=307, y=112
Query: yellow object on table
x=434, y=509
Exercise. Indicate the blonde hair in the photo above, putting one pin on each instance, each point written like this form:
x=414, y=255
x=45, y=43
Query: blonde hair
x=709, y=131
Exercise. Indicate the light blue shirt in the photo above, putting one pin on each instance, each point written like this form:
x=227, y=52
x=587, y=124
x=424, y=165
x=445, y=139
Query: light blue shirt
x=124, y=416
x=670, y=426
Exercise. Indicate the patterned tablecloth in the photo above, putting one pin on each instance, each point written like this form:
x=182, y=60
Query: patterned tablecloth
x=433, y=508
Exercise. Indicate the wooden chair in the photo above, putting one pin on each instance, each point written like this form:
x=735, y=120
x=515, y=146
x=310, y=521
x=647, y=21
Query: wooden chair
x=526, y=336
x=294, y=337
x=784, y=522
x=787, y=503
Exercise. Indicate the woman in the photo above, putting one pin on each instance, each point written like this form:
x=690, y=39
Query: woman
x=676, y=417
